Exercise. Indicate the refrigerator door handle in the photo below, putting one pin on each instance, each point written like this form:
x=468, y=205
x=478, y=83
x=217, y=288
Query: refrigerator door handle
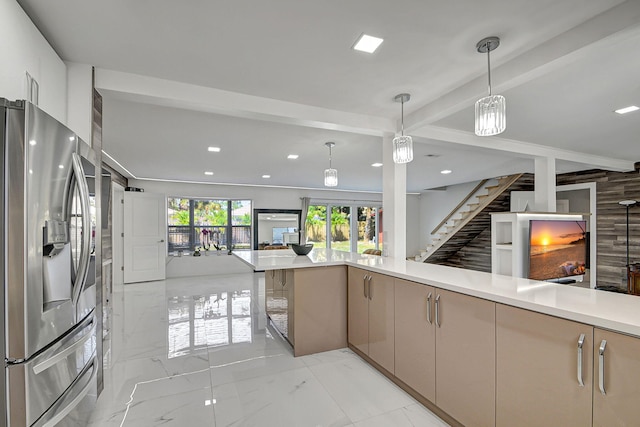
x=53, y=360
x=83, y=264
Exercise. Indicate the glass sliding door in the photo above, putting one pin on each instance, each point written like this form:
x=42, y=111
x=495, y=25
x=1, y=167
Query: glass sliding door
x=316, y=226
x=367, y=227
x=340, y=228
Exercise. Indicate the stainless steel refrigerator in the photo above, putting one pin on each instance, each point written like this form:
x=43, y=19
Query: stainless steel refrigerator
x=48, y=270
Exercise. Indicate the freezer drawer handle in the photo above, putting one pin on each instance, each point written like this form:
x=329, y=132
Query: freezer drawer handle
x=53, y=360
x=71, y=406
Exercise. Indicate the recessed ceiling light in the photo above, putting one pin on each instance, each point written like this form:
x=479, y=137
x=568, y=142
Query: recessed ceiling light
x=292, y=156
x=627, y=109
x=266, y=176
x=72, y=138
x=208, y=173
x=376, y=165
x=214, y=149
x=367, y=43
x=61, y=166
x=445, y=172
x=32, y=142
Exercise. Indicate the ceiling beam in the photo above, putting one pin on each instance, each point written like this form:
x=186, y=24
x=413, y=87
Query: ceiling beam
x=570, y=46
x=168, y=93
x=525, y=148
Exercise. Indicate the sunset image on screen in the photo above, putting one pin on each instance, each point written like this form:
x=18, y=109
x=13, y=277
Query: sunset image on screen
x=556, y=249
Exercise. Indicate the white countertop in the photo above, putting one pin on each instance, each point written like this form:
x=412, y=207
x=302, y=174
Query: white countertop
x=609, y=310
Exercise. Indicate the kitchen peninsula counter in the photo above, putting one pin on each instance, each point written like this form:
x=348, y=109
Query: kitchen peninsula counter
x=609, y=310
x=476, y=348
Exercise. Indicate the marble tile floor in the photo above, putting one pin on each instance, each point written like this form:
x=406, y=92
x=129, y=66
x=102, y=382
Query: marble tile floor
x=198, y=352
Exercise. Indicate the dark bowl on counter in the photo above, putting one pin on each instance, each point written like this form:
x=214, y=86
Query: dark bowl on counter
x=302, y=249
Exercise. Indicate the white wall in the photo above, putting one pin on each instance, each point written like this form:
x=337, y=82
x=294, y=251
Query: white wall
x=262, y=197
x=435, y=206
x=24, y=49
x=284, y=198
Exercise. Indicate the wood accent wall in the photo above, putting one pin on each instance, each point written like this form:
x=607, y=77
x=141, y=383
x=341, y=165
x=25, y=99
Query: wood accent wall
x=611, y=188
x=476, y=255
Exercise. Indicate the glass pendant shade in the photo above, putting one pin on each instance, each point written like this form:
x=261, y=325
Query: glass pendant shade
x=402, y=149
x=491, y=115
x=330, y=177
x=402, y=145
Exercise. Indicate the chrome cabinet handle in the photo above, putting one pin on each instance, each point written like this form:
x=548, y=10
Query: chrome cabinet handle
x=580, y=344
x=364, y=286
x=370, y=293
x=438, y=310
x=429, y=308
x=603, y=346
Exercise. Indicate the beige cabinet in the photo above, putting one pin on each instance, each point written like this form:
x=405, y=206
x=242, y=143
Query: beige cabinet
x=371, y=315
x=616, y=381
x=308, y=306
x=543, y=369
x=415, y=337
x=319, y=309
x=465, y=358
x=358, y=309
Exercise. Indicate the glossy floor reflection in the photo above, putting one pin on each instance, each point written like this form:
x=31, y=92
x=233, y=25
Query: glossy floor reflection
x=198, y=352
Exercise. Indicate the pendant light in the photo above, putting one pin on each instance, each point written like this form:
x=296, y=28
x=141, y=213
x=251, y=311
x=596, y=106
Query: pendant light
x=402, y=145
x=330, y=175
x=490, y=110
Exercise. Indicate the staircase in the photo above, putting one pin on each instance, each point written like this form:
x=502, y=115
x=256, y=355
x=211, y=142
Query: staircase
x=468, y=220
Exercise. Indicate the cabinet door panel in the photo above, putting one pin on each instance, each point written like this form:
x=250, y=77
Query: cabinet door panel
x=537, y=370
x=619, y=406
x=381, y=320
x=465, y=359
x=358, y=310
x=415, y=352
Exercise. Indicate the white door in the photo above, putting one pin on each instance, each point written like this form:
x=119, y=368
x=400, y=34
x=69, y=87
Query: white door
x=145, y=231
x=117, y=230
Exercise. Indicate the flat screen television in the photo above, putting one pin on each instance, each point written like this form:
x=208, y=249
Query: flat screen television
x=558, y=250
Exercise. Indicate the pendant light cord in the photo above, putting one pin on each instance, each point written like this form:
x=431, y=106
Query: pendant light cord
x=489, y=67
x=402, y=117
x=330, y=158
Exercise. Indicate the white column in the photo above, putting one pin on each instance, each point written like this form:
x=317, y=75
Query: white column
x=545, y=184
x=394, y=202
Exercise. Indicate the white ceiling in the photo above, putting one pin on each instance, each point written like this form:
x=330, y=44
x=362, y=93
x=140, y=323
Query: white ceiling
x=563, y=66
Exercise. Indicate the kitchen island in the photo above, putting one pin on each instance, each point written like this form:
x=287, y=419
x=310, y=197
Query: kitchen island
x=477, y=348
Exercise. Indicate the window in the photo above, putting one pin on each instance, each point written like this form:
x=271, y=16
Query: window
x=208, y=224
x=349, y=228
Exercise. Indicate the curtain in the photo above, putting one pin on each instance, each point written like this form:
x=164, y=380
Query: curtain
x=303, y=220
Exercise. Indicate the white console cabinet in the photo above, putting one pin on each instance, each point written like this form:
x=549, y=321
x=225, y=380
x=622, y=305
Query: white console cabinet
x=510, y=240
